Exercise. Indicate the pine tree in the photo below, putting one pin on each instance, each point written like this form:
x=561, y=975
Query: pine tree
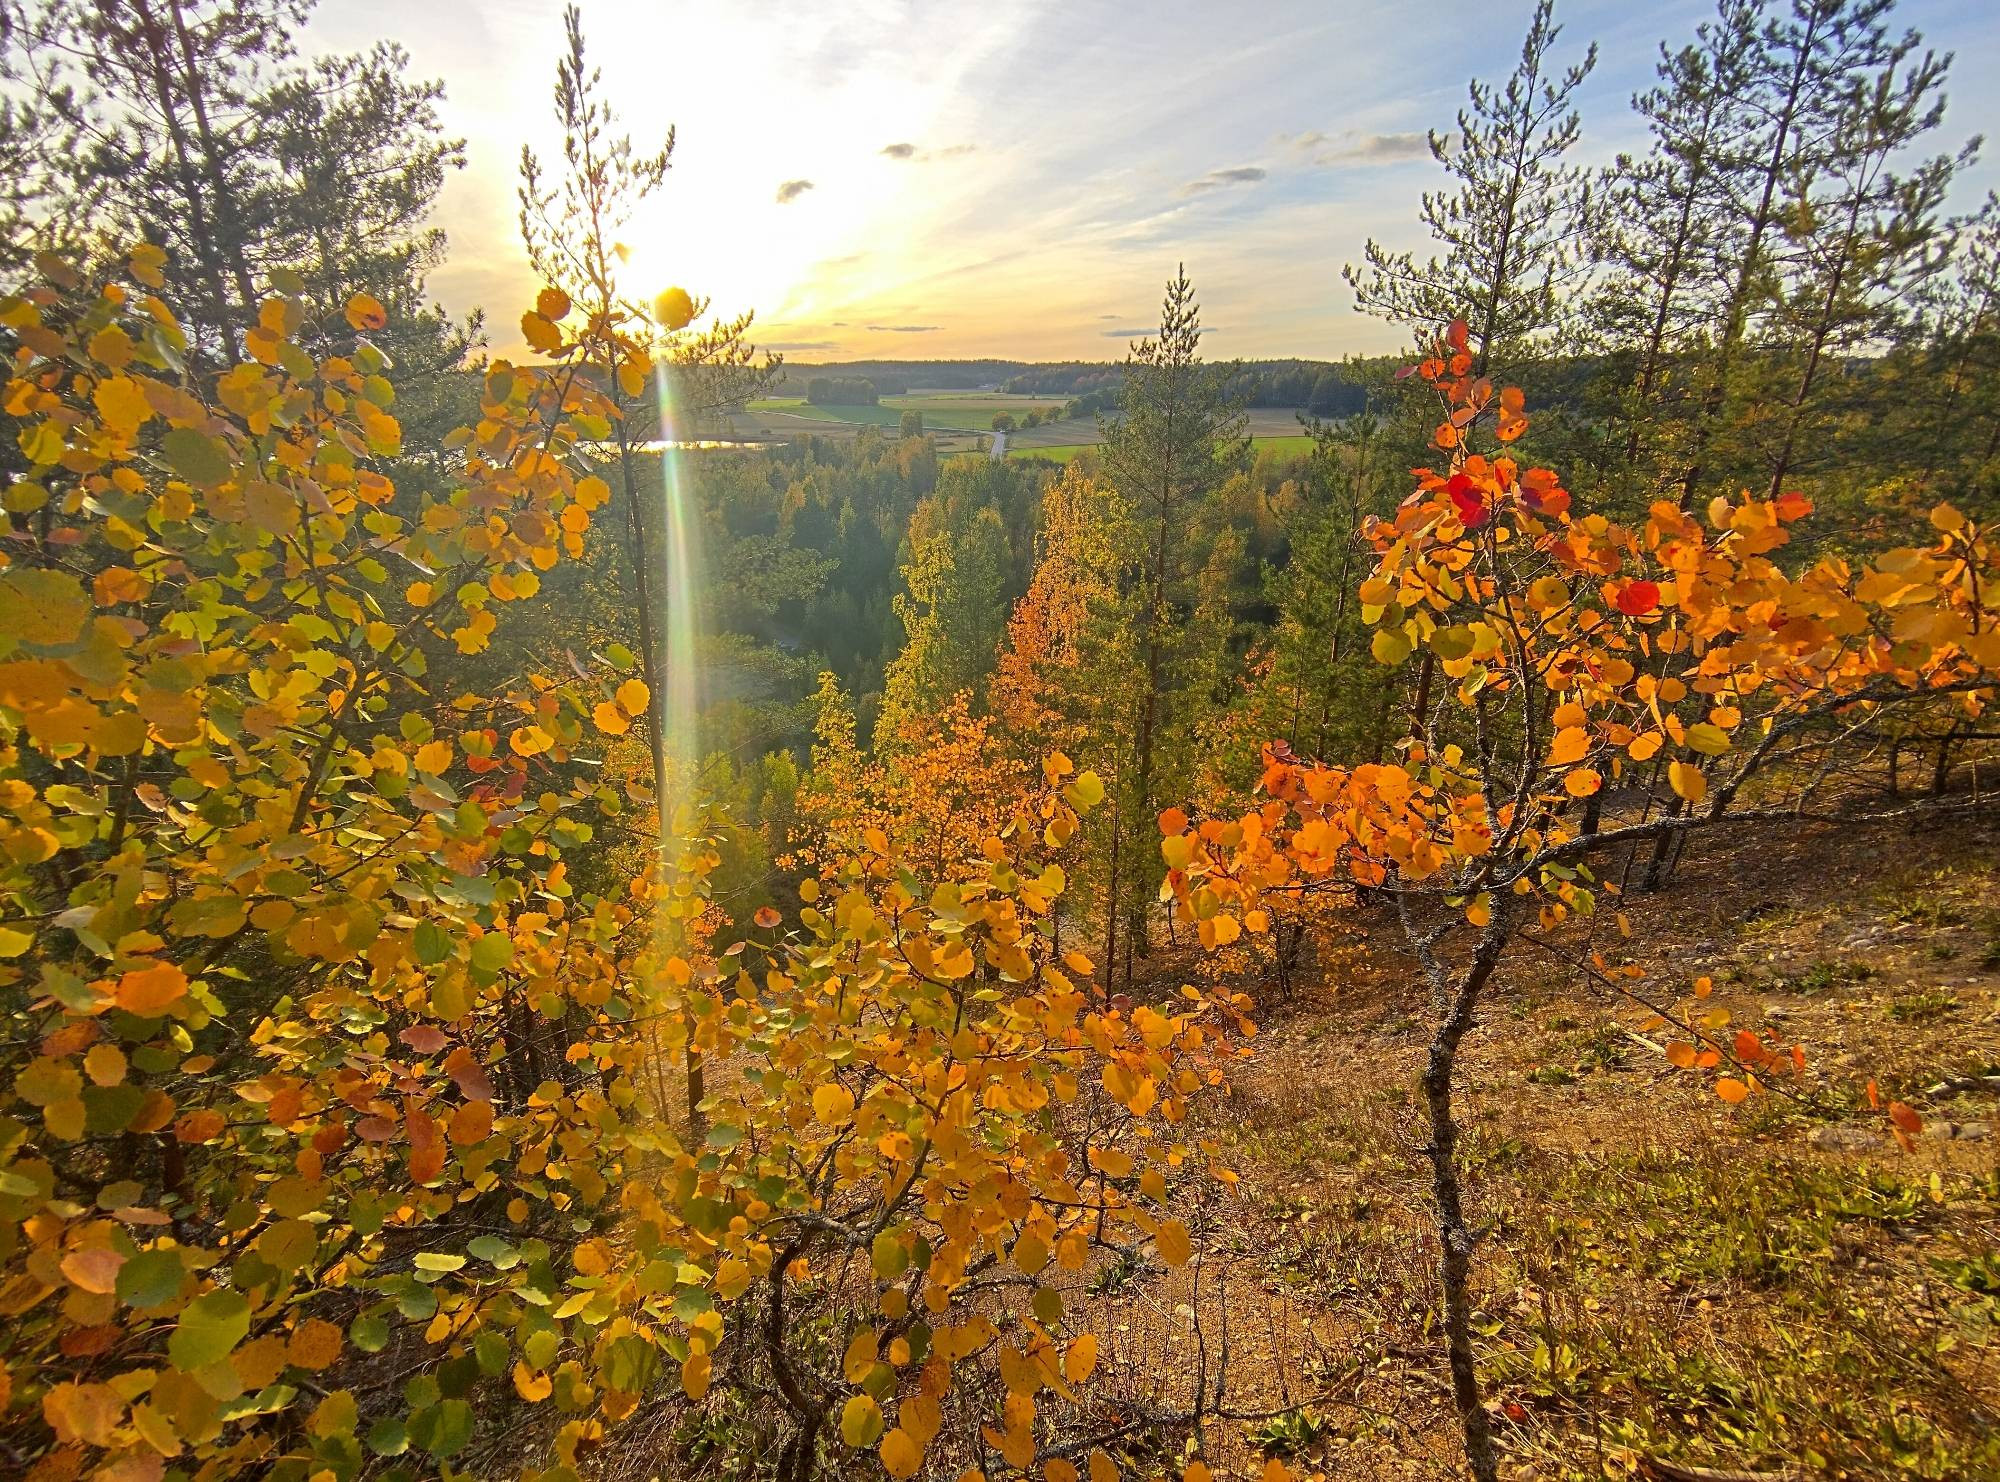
x=1175, y=441
x=1509, y=228
x=953, y=611
x=1793, y=97
x=1661, y=239
x=200, y=131
x=1867, y=235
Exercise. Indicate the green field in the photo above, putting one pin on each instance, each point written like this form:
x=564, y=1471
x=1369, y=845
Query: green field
x=951, y=411
x=1289, y=447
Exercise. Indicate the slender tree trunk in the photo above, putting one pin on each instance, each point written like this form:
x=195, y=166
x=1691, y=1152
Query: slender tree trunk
x=1735, y=323
x=1456, y=1241
x=1822, y=330
x=225, y=201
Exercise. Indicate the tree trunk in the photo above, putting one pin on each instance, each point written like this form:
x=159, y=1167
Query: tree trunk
x=1455, y=1240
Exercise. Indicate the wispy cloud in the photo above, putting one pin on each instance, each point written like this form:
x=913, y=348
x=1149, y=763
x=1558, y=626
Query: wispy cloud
x=902, y=149
x=783, y=346
x=903, y=328
x=1128, y=334
x=1354, y=147
x=791, y=190
x=1219, y=179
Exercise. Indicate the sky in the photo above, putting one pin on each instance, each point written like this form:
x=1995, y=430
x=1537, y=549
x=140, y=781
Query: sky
x=1019, y=178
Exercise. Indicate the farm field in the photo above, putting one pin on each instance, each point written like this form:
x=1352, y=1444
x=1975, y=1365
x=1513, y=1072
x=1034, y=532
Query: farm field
x=962, y=411
x=971, y=413
x=1292, y=447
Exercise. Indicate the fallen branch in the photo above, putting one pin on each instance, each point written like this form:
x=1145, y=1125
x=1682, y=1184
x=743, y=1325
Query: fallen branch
x=1670, y=1471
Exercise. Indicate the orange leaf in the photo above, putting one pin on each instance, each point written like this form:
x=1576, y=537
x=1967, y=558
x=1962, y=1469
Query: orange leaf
x=149, y=991
x=1572, y=744
x=365, y=312
x=1731, y=1090
x=1583, y=782
x=1905, y=1117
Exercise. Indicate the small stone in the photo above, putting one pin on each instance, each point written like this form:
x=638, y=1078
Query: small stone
x=1974, y=1131
x=1843, y=1139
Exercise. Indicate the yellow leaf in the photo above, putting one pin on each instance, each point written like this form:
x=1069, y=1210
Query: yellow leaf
x=541, y=333
x=1102, y=1468
x=694, y=1375
x=552, y=303
x=633, y=697
x=858, y=1360
x=901, y=1455
x=531, y=1385
x=1175, y=1248
x=1080, y=1359
x=860, y=1421
x=610, y=719
x=1687, y=781
x=530, y=741
x=832, y=1104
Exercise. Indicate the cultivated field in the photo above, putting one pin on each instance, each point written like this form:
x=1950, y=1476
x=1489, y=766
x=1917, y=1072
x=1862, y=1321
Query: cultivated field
x=962, y=420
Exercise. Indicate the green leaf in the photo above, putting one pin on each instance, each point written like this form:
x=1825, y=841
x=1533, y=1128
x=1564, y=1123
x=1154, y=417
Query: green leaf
x=494, y=1251
x=490, y=1349
x=451, y=1429
x=492, y=952
x=369, y=1332
x=209, y=1328
x=437, y=1260
x=1087, y=791
x=152, y=1278
x=388, y=1437
x=196, y=457
x=432, y=943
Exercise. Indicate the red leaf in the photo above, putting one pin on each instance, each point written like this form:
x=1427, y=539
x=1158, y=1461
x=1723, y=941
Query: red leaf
x=1637, y=598
x=767, y=917
x=425, y=1039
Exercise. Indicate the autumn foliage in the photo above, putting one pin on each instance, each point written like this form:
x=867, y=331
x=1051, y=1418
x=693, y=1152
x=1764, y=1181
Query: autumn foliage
x=1680, y=667
x=322, y=1070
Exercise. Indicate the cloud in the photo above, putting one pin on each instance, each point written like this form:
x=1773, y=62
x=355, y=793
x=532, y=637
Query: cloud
x=788, y=345
x=903, y=328
x=1218, y=179
x=791, y=190
x=1356, y=148
x=903, y=150
x=1129, y=334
